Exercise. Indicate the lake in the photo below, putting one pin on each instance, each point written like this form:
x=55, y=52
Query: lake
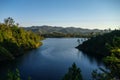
x=52, y=60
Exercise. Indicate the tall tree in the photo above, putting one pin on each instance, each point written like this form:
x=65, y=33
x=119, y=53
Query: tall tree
x=73, y=73
x=9, y=21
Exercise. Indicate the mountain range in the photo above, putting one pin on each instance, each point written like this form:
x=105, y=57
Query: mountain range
x=61, y=30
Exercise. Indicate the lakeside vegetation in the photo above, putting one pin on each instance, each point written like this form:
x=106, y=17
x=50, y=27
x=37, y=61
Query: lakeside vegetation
x=106, y=46
x=14, y=40
x=102, y=45
x=112, y=62
x=67, y=35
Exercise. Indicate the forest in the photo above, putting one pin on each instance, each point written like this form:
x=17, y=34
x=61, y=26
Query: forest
x=106, y=46
x=14, y=40
x=102, y=45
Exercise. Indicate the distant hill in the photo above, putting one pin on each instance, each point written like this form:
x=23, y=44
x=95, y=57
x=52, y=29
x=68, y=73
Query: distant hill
x=43, y=30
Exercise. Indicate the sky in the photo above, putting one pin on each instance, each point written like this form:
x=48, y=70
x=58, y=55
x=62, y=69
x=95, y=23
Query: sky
x=91, y=14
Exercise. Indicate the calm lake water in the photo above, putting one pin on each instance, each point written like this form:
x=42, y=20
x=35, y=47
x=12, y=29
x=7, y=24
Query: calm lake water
x=52, y=60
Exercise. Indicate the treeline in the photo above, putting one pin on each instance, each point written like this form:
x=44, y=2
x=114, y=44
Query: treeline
x=66, y=35
x=15, y=40
x=58, y=32
x=102, y=45
x=108, y=47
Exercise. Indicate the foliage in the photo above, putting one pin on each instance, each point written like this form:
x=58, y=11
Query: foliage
x=15, y=40
x=100, y=76
x=73, y=73
x=113, y=64
x=5, y=53
x=66, y=35
x=101, y=45
x=107, y=46
x=9, y=22
x=14, y=75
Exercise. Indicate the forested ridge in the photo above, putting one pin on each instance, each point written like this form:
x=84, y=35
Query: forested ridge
x=106, y=46
x=15, y=40
x=58, y=32
x=102, y=45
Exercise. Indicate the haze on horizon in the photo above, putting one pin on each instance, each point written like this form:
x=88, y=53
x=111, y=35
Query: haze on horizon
x=100, y=14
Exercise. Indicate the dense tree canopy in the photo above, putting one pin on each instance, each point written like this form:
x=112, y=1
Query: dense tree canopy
x=15, y=40
x=112, y=63
x=107, y=46
x=102, y=45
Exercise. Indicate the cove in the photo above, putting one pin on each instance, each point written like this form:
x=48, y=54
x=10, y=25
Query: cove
x=52, y=60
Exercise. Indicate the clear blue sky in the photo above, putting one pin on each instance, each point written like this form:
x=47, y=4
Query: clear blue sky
x=79, y=13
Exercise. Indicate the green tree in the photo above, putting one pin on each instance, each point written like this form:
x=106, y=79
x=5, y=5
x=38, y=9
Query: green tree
x=112, y=63
x=98, y=45
x=73, y=73
x=9, y=21
x=14, y=40
x=13, y=75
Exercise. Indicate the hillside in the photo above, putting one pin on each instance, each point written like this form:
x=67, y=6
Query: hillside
x=50, y=31
x=14, y=41
x=106, y=46
x=102, y=45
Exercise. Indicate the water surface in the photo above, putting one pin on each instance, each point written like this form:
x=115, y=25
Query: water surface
x=52, y=60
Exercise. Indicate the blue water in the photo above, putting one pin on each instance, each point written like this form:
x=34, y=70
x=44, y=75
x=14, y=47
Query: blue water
x=52, y=60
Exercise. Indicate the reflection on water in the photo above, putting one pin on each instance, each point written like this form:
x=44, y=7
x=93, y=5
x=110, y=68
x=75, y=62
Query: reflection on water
x=52, y=60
